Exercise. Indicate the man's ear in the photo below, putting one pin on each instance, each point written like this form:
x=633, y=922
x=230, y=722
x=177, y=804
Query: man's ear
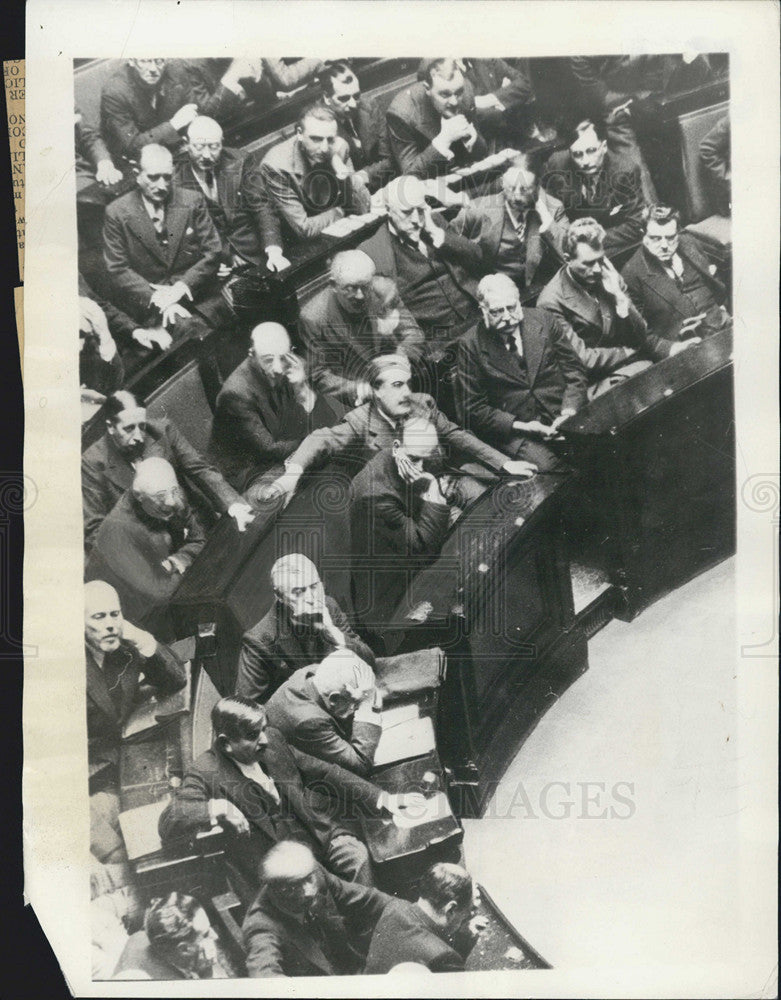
x=223, y=743
x=448, y=908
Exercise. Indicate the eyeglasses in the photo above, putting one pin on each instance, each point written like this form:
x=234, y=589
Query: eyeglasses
x=199, y=147
x=159, y=63
x=511, y=310
x=165, y=495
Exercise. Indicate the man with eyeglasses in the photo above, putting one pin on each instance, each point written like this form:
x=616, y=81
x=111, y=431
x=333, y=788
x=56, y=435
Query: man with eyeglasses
x=430, y=124
x=146, y=101
x=609, y=335
x=162, y=254
x=108, y=466
x=672, y=282
x=594, y=182
x=214, y=171
x=147, y=542
x=361, y=124
x=518, y=378
x=340, y=330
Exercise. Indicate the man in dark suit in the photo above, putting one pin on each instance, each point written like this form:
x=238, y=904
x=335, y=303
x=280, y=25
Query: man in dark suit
x=93, y=160
x=607, y=332
x=331, y=711
x=117, y=655
x=146, y=543
x=593, y=182
x=260, y=790
x=435, y=264
x=374, y=426
x=301, y=628
x=221, y=87
x=265, y=409
x=361, y=124
x=523, y=229
x=146, y=101
x=716, y=159
x=502, y=95
x=430, y=125
x=399, y=518
x=305, y=921
x=342, y=330
x=177, y=942
x=672, y=282
x=162, y=252
x=438, y=931
x=108, y=466
x=214, y=171
x=518, y=377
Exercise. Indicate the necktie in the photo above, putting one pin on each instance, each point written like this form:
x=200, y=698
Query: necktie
x=209, y=178
x=113, y=668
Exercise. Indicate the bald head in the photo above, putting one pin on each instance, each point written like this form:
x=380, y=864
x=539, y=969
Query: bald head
x=420, y=438
x=103, y=621
x=204, y=142
x=156, y=488
x=292, y=876
x=297, y=586
x=287, y=861
x=270, y=347
x=155, y=173
x=351, y=276
x=343, y=681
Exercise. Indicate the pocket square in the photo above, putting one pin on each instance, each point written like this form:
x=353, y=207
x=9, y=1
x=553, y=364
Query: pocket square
x=712, y=269
x=189, y=230
x=616, y=209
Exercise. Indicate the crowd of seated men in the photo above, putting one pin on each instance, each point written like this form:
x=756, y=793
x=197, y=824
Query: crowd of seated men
x=563, y=214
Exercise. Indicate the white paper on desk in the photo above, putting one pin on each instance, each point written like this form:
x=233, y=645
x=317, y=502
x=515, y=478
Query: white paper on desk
x=399, y=713
x=408, y=739
x=436, y=807
x=139, y=828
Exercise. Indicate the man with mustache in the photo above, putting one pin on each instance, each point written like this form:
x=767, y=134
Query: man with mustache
x=147, y=542
x=117, y=654
x=108, y=466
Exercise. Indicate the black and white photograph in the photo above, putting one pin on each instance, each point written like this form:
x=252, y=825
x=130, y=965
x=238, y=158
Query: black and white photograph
x=411, y=478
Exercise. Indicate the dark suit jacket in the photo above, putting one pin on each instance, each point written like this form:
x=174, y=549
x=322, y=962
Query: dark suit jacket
x=365, y=431
x=405, y=934
x=213, y=98
x=250, y=434
x=135, y=258
x=106, y=474
x=538, y=245
x=339, y=347
x=214, y=776
x=493, y=391
x=274, y=648
x=128, y=120
x=228, y=177
x=372, y=151
x=716, y=160
x=618, y=204
x=296, y=710
x=461, y=253
x=120, y=325
x=104, y=721
x=277, y=944
x=128, y=550
x=413, y=123
x=601, y=339
x=486, y=76
x=659, y=299
x=90, y=147
x=394, y=528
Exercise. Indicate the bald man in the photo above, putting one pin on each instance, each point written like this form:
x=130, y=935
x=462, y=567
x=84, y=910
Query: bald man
x=331, y=711
x=340, y=330
x=214, y=171
x=265, y=409
x=117, y=653
x=301, y=628
x=162, y=252
x=399, y=516
x=147, y=542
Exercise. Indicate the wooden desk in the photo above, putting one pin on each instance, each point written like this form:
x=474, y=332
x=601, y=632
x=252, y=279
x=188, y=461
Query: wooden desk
x=498, y=600
x=657, y=462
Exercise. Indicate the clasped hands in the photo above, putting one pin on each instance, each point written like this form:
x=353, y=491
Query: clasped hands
x=167, y=298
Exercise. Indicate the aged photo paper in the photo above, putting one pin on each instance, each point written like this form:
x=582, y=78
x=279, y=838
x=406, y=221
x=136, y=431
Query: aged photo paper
x=570, y=698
